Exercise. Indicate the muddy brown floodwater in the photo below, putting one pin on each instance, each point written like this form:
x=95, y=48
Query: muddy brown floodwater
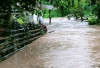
x=67, y=44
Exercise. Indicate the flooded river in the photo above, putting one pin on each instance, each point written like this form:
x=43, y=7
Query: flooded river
x=67, y=44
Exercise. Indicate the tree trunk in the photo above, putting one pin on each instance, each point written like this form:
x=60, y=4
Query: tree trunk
x=8, y=19
x=62, y=11
x=41, y=5
x=99, y=16
x=76, y=16
x=80, y=10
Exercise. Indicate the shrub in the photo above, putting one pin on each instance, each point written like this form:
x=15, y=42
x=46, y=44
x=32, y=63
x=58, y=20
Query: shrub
x=92, y=20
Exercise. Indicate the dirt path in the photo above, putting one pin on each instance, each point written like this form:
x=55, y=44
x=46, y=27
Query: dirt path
x=68, y=44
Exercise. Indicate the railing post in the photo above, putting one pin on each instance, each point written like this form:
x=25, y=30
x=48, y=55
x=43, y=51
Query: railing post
x=0, y=56
x=14, y=44
x=41, y=30
x=49, y=16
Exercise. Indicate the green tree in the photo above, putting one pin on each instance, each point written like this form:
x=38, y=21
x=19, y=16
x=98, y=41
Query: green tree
x=10, y=6
x=80, y=8
x=96, y=8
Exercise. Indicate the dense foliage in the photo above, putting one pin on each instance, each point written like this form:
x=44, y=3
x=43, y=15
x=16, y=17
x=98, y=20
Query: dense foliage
x=79, y=8
x=7, y=7
x=54, y=13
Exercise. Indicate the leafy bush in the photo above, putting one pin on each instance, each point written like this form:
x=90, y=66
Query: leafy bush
x=20, y=21
x=92, y=20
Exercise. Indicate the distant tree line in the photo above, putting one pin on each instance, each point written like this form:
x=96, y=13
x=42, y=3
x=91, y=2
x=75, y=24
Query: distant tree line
x=79, y=8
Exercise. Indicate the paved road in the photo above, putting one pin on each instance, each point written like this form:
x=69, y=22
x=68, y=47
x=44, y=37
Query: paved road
x=68, y=44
